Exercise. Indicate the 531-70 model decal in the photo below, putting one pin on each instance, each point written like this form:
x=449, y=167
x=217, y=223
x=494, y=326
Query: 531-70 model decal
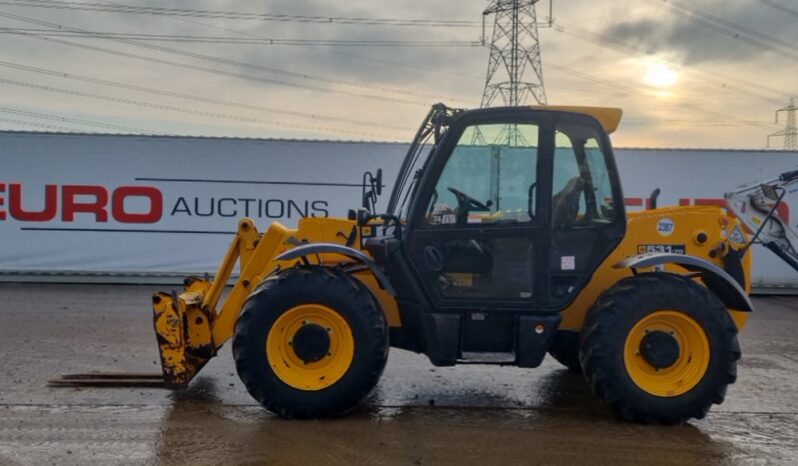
x=666, y=248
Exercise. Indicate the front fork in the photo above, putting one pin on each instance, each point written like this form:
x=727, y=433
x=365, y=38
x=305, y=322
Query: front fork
x=183, y=330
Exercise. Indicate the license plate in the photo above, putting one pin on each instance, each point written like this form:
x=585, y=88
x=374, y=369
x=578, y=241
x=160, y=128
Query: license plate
x=661, y=248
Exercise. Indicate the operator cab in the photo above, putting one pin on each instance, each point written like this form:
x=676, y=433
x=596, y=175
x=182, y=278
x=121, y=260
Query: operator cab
x=498, y=214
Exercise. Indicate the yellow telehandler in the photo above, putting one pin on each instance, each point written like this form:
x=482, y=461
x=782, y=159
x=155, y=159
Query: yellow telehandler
x=505, y=238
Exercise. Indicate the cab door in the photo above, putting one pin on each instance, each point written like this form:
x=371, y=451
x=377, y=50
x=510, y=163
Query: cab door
x=478, y=230
x=587, y=213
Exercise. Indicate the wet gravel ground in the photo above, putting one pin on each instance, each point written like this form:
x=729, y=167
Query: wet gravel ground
x=418, y=414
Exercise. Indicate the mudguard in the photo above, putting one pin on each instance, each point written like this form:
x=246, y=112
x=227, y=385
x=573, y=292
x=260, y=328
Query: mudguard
x=715, y=278
x=332, y=248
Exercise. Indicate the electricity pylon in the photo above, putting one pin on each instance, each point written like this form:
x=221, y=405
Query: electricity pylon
x=515, y=72
x=790, y=132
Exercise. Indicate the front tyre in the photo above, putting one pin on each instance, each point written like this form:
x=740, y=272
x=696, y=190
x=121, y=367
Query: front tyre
x=311, y=342
x=659, y=348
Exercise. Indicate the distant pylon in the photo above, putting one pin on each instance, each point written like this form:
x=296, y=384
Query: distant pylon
x=790, y=132
x=515, y=72
x=514, y=69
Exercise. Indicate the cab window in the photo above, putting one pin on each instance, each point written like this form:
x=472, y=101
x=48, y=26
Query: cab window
x=490, y=177
x=582, y=189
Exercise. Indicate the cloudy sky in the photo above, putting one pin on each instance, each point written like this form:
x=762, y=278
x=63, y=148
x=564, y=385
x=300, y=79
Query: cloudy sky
x=700, y=73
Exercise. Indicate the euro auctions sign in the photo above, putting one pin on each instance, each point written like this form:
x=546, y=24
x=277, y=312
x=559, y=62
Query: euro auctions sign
x=140, y=204
x=65, y=202
x=121, y=205
x=163, y=205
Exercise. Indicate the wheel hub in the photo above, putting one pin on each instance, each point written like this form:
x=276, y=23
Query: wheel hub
x=660, y=349
x=311, y=343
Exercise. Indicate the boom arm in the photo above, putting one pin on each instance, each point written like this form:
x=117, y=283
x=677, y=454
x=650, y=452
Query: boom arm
x=760, y=208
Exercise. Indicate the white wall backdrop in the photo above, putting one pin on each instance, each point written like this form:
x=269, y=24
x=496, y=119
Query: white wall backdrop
x=152, y=205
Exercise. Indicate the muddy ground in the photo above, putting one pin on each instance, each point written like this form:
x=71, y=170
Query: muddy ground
x=418, y=414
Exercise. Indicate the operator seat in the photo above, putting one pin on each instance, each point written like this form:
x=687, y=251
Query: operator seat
x=566, y=203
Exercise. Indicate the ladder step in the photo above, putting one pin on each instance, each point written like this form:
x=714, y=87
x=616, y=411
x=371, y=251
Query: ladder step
x=486, y=358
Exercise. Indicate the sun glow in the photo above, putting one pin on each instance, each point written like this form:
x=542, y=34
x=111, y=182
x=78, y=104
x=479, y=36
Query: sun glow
x=660, y=75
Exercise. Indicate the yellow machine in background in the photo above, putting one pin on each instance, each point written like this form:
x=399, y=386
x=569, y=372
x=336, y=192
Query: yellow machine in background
x=539, y=256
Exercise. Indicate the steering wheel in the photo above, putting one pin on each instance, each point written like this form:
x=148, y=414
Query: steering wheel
x=464, y=199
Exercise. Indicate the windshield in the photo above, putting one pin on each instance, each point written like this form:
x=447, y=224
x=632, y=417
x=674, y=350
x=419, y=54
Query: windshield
x=408, y=179
x=430, y=132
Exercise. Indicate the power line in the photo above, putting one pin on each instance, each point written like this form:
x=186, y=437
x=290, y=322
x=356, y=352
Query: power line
x=730, y=83
x=209, y=100
x=557, y=67
x=239, y=40
x=75, y=121
x=688, y=122
x=225, y=116
x=729, y=24
x=717, y=25
x=217, y=14
x=219, y=72
x=368, y=58
x=66, y=129
x=781, y=7
x=641, y=93
x=221, y=60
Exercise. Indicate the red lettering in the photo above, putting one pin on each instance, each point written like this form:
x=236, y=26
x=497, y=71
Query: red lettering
x=2, y=201
x=710, y=201
x=72, y=206
x=118, y=204
x=47, y=213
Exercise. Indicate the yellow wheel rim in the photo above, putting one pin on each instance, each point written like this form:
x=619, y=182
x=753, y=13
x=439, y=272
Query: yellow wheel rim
x=688, y=369
x=316, y=375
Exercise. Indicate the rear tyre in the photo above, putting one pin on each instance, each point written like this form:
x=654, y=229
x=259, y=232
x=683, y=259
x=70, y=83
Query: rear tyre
x=310, y=342
x=659, y=348
x=565, y=350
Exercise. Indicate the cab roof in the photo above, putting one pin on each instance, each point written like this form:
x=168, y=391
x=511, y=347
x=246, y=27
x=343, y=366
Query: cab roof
x=608, y=117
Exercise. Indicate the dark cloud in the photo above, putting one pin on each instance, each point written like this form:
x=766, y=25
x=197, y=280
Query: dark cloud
x=696, y=39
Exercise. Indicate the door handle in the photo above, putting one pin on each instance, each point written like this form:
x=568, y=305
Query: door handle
x=433, y=258
x=530, y=206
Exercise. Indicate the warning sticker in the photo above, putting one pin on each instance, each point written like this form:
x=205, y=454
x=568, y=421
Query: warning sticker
x=568, y=263
x=737, y=235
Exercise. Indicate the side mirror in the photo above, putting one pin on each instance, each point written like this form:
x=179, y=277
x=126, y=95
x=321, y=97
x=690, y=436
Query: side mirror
x=372, y=187
x=769, y=192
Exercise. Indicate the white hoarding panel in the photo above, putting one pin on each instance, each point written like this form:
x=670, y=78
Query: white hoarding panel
x=141, y=204
x=154, y=205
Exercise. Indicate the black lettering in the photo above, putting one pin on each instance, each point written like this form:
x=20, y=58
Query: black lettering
x=234, y=213
x=293, y=206
x=197, y=210
x=280, y=208
x=246, y=205
x=319, y=207
x=181, y=206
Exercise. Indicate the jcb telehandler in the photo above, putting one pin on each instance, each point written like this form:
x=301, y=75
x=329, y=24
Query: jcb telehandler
x=505, y=238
